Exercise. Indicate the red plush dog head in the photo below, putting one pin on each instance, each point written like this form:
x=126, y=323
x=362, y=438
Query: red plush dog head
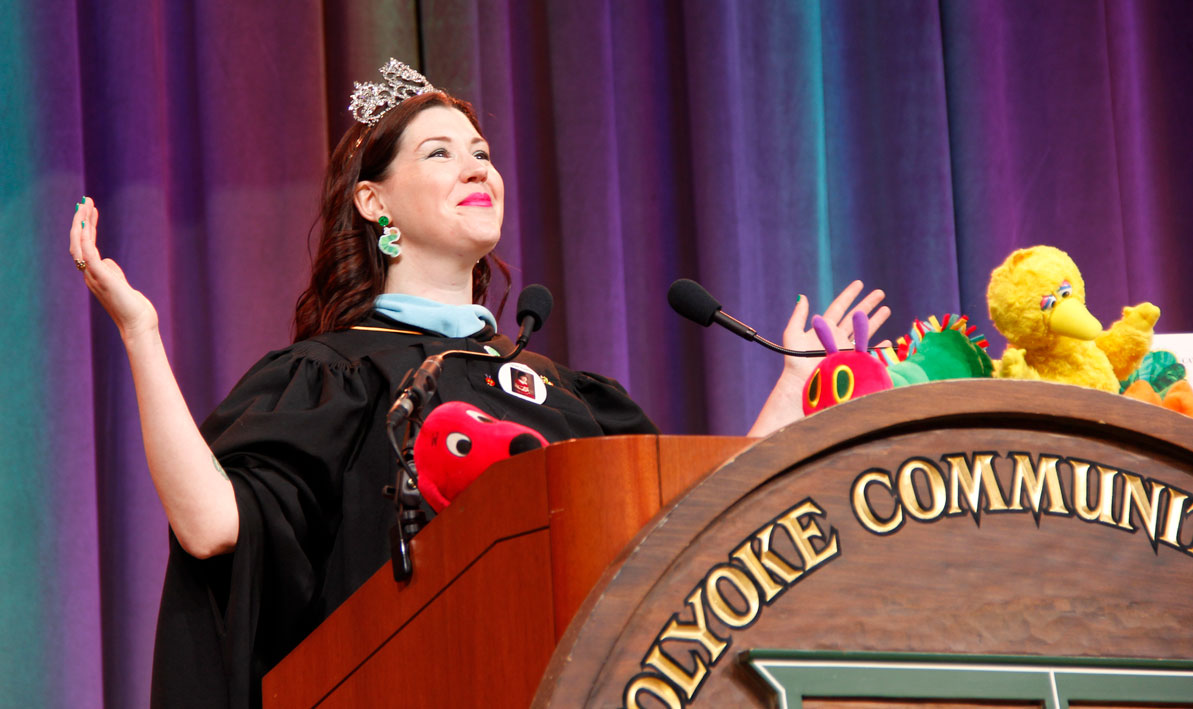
x=458, y=442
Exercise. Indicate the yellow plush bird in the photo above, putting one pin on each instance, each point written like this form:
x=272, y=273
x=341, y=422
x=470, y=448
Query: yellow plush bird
x=1037, y=301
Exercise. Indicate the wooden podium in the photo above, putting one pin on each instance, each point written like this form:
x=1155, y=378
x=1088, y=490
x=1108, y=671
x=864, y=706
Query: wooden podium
x=975, y=542
x=497, y=578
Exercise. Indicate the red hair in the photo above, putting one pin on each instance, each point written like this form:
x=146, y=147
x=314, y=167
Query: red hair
x=349, y=270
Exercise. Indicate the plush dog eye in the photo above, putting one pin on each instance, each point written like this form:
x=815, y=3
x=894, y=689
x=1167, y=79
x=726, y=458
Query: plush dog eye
x=458, y=444
x=479, y=417
x=1048, y=301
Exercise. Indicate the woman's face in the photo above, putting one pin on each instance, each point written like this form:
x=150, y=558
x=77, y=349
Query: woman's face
x=446, y=197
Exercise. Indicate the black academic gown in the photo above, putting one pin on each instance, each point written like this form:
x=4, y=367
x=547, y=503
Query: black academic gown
x=302, y=437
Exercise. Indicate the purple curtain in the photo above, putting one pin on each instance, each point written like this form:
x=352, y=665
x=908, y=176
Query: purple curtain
x=767, y=149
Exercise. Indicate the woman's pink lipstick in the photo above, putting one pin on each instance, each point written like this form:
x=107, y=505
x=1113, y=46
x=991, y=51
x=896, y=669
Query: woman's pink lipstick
x=477, y=199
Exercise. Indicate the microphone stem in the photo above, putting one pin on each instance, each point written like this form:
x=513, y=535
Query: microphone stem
x=418, y=391
x=798, y=353
x=790, y=353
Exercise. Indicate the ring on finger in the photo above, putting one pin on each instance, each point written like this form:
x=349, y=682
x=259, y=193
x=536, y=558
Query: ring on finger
x=80, y=264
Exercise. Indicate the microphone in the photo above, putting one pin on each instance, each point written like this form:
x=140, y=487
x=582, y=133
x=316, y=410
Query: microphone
x=534, y=306
x=419, y=391
x=691, y=300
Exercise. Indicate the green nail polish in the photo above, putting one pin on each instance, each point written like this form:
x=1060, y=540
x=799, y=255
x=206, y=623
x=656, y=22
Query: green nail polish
x=82, y=225
x=76, y=206
x=798, y=298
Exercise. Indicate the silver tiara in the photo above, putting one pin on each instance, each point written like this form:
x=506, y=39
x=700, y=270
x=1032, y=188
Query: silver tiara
x=370, y=101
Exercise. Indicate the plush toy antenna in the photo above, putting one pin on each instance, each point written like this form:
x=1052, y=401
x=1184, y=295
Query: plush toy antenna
x=861, y=331
x=825, y=334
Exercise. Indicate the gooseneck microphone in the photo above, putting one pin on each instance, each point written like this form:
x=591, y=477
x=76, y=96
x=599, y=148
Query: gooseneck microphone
x=534, y=305
x=691, y=300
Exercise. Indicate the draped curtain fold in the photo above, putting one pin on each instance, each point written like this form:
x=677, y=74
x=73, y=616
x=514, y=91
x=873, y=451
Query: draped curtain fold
x=768, y=149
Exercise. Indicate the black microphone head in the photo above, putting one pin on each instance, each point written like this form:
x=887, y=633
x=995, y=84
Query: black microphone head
x=689, y=299
x=535, y=301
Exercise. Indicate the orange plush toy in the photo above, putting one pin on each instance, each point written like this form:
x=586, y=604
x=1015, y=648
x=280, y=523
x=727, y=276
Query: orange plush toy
x=1179, y=396
x=1161, y=380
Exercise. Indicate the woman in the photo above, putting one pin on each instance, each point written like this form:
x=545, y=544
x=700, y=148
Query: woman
x=287, y=472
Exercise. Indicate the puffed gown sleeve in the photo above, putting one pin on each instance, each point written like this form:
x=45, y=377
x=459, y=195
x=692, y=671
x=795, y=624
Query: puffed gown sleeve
x=611, y=406
x=285, y=436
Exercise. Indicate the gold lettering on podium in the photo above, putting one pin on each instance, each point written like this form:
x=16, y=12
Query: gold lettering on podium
x=655, y=686
x=1148, y=507
x=1172, y=522
x=758, y=564
x=973, y=484
x=1046, y=484
x=687, y=683
x=734, y=593
x=696, y=631
x=1027, y=481
x=722, y=606
x=865, y=511
x=1104, y=512
x=911, y=498
x=803, y=534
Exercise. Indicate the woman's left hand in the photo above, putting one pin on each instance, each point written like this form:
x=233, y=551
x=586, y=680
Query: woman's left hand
x=785, y=403
x=839, y=316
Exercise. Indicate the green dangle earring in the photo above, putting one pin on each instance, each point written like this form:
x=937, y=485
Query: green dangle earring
x=388, y=243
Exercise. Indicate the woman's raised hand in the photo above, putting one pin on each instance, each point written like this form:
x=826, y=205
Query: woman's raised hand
x=785, y=403
x=128, y=307
x=193, y=487
x=839, y=316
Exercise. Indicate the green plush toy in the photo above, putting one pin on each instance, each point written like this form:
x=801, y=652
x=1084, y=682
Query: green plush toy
x=942, y=355
x=939, y=349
